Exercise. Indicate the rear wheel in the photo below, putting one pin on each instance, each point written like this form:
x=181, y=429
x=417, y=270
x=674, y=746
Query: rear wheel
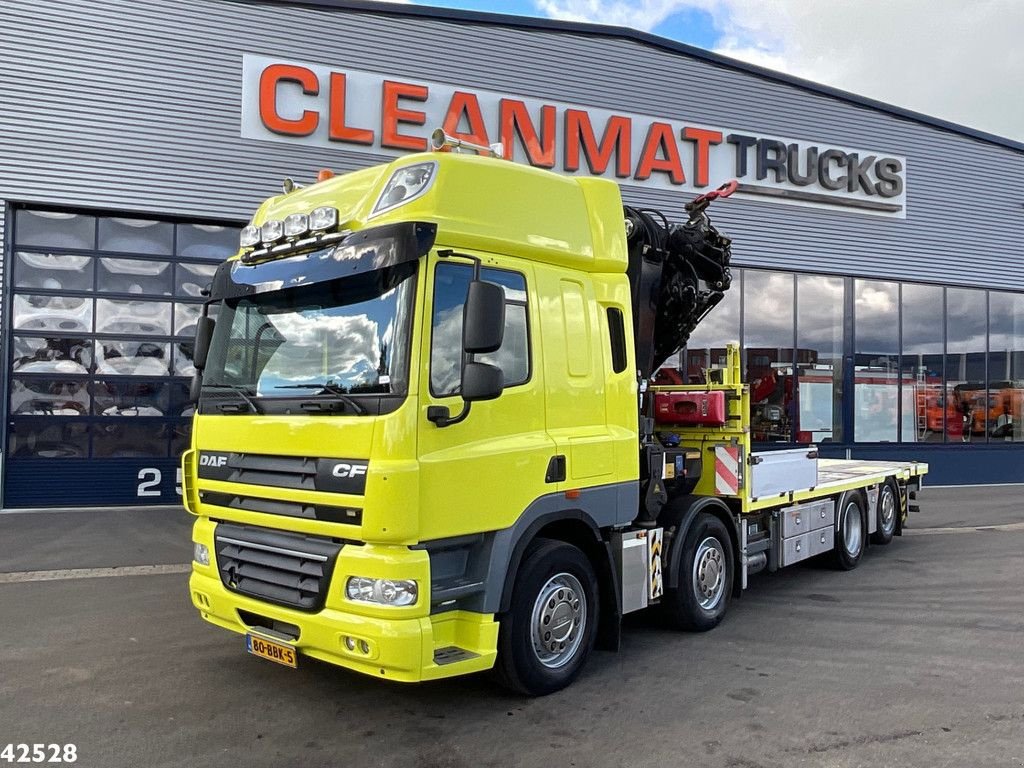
x=888, y=509
x=549, y=631
x=850, y=531
x=699, y=601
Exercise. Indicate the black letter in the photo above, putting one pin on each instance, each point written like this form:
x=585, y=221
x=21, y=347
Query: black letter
x=888, y=171
x=743, y=143
x=824, y=177
x=859, y=173
x=776, y=163
x=795, y=177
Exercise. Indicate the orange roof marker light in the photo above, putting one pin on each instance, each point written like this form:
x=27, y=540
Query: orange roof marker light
x=324, y=174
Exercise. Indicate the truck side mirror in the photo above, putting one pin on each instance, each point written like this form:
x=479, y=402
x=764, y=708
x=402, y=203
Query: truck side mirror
x=204, y=333
x=481, y=381
x=483, y=318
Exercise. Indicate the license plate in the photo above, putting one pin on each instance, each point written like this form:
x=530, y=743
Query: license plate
x=268, y=649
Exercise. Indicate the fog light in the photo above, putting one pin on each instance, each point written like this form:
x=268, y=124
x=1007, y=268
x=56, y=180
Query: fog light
x=364, y=646
x=382, y=591
x=272, y=230
x=296, y=224
x=200, y=553
x=350, y=643
x=323, y=218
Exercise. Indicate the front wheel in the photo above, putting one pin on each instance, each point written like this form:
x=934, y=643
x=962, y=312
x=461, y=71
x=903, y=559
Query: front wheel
x=548, y=633
x=699, y=601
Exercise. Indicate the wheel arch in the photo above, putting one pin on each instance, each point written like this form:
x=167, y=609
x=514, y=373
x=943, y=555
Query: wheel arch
x=679, y=514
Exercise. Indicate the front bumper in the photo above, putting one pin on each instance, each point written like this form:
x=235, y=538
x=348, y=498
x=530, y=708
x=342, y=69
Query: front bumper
x=401, y=645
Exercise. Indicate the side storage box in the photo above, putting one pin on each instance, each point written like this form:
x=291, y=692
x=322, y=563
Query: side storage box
x=775, y=472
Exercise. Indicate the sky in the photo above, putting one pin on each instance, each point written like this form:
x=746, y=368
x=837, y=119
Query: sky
x=958, y=60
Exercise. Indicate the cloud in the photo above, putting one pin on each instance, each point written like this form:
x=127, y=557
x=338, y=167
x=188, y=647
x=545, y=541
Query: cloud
x=958, y=61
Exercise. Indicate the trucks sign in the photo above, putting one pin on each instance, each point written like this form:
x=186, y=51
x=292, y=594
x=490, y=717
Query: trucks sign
x=325, y=106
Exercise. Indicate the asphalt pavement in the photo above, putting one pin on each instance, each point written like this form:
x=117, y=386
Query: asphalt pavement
x=916, y=658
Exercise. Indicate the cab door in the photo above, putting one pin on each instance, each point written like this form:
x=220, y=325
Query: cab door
x=481, y=473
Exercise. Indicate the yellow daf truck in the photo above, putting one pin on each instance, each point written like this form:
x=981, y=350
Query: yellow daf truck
x=426, y=443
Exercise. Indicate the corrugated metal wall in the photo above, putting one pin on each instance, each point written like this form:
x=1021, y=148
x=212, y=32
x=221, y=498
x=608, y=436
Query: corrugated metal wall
x=135, y=105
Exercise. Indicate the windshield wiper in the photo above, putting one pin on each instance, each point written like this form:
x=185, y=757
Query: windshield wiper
x=332, y=389
x=241, y=392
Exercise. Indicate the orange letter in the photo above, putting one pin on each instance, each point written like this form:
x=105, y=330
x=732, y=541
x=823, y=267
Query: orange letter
x=269, y=79
x=516, y=119
x=466, y=103
x=337, y=130
x=703, y=139
x=616, y=137
x=392, y=115
x=660, y=136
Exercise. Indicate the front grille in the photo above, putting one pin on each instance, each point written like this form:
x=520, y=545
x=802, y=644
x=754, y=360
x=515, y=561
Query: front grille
x=282, y=568
x=330, y=514
x=297, y=472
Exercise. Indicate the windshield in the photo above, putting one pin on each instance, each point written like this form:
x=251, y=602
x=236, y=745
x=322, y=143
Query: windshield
x=343, y=337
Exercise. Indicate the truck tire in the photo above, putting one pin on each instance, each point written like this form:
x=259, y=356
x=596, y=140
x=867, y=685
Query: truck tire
x=699, y=601
x=546, y=636
x=887, y=512
x=850, y=531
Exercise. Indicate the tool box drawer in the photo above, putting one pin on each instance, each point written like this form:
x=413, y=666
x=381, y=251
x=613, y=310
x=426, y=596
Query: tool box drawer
x=808, y=517
x=690, y=408
x=805, y=545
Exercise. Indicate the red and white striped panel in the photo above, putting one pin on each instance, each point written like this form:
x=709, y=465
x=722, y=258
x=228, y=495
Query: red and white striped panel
x=727, y=470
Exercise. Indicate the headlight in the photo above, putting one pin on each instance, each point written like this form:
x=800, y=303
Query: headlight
x=382, y=591
x=296, y=224
x=323, y=218
x=249, y=236
x=272, y=230
x=200, y=553
x=405, y=185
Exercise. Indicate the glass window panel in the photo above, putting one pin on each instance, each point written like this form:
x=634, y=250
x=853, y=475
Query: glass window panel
x=922, y=363
x=48, y=439
x=706, y=347
x=136, y=236
x=134, y=276
x=132, y=357
x=192, y=279
x=966, y=392
x=183, y=359
x=181, y=404
x=185, y=317
x=56, y=229
x=53, y=354
x=125, y=438
x=207, y=241
x=133, y=317
x=819, y=342
x=876, y=376
x=130, y=398
x=1006, y=367
x=49, y=397
x=53, y=271
x=768, y=351
x=52, y=313
x=181, y=436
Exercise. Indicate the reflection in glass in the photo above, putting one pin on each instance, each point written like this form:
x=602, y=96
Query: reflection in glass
x=48, y=439
x=135, y=235
x=1006, y=367
x=181, y=435
x=132, y=357
x=768, y=351
x=183, y=359
x=706, y=347
x=52, y=313
x=966, y=338
x=876, y=375
x=207, y=241
x=185, y=317
x=819, y=342
x=117, y=439
x=51, y=355
x=922, y=365
x=49, y=397
x=193, y=279
x=451, y=284
x=134, y=276
x=53, y=271
x=55, y=229
x=133, y=317
x=130, y=398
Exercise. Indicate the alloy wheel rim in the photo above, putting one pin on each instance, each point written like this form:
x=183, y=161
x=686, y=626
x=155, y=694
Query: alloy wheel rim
x=852, y=529
x=558, y=620
x=888, y=510
x=709, y=573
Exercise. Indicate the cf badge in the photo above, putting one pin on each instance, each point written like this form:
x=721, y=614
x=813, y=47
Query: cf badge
x=341, y=476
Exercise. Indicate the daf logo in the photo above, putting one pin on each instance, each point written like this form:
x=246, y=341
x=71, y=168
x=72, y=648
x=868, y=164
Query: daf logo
x=212, y=460
x=349, y=470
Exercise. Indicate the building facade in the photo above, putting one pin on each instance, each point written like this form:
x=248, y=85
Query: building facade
x=879, y=292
